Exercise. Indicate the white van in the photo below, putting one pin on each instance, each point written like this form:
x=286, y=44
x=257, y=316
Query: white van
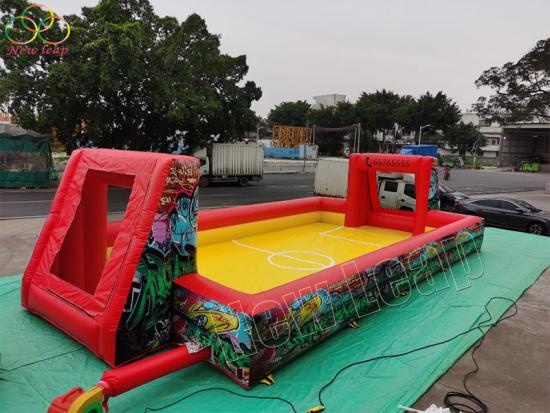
x=397, y=194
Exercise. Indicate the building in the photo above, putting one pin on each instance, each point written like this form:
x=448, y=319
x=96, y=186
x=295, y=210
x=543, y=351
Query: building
x=491, y=130
x=510, y=144
x=387, y=143
x=5, y=118
x=8, y=126
x=328, y=100
x=526, y=142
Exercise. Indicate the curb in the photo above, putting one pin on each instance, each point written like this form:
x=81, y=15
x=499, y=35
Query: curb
x=26, y=191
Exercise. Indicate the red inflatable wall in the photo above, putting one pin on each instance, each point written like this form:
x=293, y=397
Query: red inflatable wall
x=81, y=274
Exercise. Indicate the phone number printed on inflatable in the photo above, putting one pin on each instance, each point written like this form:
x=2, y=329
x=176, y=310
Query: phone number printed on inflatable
x=378, y=162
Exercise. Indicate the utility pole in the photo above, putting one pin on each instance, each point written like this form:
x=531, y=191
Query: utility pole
x=474, y=151
x=420, y=133
x=359, y=137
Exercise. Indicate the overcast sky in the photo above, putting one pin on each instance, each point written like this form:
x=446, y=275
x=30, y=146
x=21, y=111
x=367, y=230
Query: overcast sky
x=297, y=49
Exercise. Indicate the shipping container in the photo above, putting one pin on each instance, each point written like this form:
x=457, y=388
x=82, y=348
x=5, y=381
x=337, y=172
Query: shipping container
x=237, y=159
x=331, y=177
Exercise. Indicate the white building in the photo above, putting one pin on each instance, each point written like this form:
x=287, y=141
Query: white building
x=491, y=130
x=328, y=100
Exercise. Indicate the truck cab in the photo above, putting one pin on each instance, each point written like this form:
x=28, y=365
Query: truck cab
x=204, y=171
x=397, y=193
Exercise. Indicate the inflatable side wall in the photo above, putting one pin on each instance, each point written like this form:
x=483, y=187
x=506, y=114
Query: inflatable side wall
x=249, y=344
x=108, y=283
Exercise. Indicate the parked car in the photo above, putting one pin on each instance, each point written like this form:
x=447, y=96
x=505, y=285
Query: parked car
x=508, y=213
x=448, y=197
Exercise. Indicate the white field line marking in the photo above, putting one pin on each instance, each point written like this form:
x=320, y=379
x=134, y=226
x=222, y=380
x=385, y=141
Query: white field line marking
x=329, y=235
x=273, y=254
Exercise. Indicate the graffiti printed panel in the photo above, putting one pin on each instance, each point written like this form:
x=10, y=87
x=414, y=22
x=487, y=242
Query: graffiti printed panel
x=170, y=252
x=248, y=347
x=207, y=323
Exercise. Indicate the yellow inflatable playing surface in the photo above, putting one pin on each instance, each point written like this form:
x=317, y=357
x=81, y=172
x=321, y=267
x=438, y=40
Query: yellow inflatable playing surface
x=259, y=256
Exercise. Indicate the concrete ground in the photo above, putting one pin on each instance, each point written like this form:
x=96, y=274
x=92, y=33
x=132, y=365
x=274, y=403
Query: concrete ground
x=17, y=238
x=514, y=360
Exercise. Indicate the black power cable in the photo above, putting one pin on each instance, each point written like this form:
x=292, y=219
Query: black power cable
x=246, y=396
x=448, y=399
x=479, y=327
x=467, y=402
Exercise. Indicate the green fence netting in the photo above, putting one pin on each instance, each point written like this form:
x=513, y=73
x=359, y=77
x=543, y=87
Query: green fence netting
x=25, y=161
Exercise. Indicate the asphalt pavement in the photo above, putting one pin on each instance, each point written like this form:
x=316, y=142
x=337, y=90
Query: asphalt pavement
x=275, y=187
x=474, y=182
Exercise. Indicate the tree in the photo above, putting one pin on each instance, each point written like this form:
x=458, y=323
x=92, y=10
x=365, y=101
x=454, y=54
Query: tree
x=345, y=114
x=522, y=88
x=290, y=114
x=330, y=143
x=465, y=138
x=131, y=80
x=377, y=111
x=438, y=111
x=263, y=129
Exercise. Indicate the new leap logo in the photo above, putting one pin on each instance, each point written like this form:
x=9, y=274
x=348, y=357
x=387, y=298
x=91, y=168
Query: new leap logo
x=37, y=24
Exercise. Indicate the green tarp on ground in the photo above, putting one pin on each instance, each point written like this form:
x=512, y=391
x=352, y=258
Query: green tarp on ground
x=25, y=161
x=38, y=362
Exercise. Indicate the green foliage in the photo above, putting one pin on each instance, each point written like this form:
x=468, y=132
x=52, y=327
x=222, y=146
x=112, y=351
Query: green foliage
x=469, y=163
x=332, y=117
x=380, y=111
x=290, y=114
x=522, y=89
x=464, y=138
x=377, y=111
x=437, y=110
x=131, y=80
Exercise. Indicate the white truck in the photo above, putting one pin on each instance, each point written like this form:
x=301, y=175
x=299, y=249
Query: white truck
x=231, y=162
x=395, y=190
